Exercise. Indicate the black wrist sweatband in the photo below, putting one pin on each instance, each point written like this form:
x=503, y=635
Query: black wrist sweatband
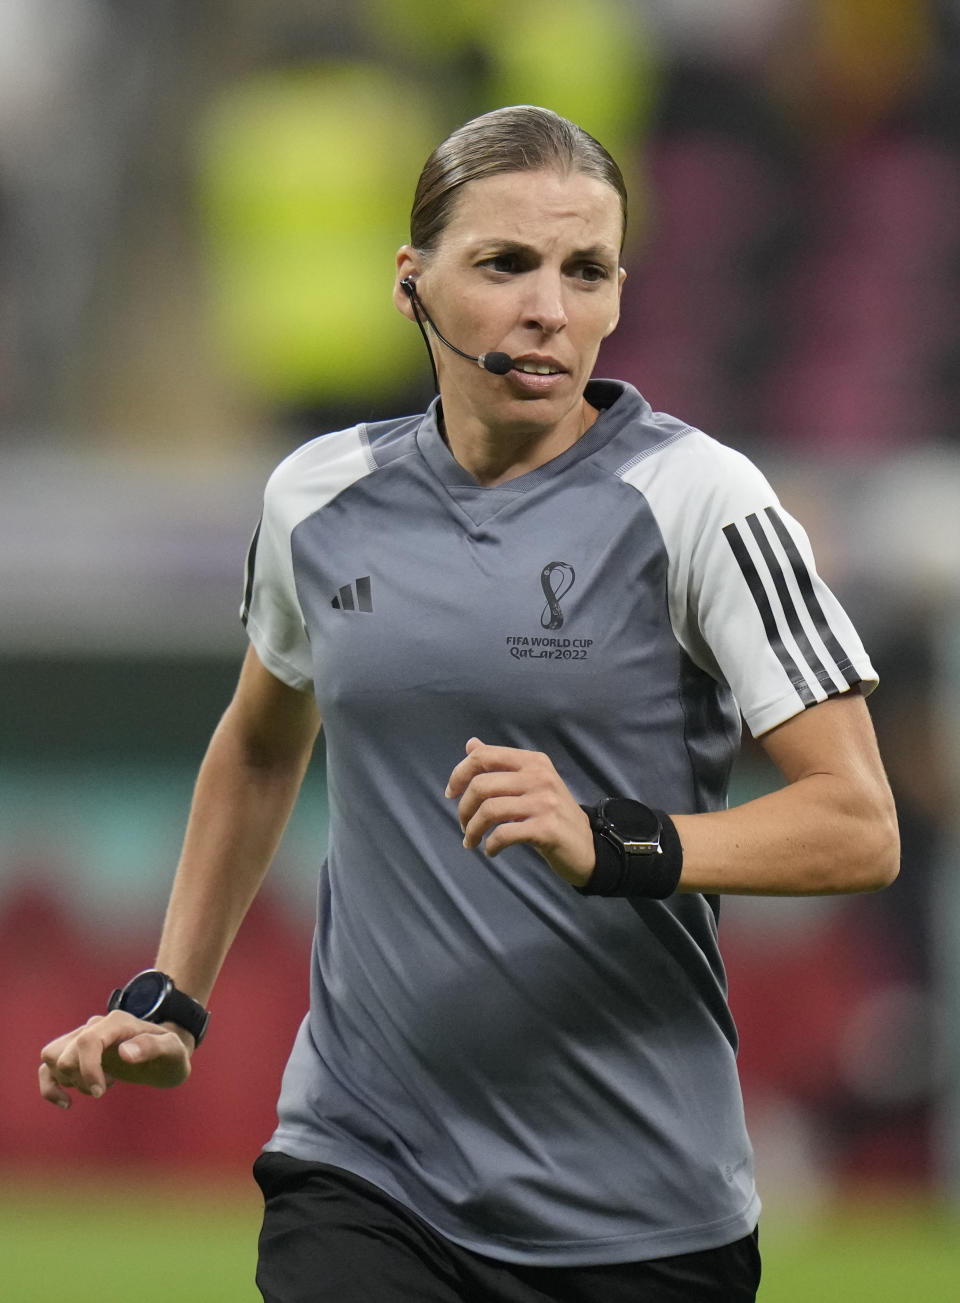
x=653, y=876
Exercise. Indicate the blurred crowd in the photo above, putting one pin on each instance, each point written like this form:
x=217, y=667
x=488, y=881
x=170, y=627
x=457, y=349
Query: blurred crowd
x=199, y=207
x=199, y=204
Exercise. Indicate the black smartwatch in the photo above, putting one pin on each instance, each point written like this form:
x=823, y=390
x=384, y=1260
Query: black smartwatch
x=637, y=848
x=152, y=996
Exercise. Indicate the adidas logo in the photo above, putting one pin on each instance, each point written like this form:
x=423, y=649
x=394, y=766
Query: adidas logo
x=354, y=597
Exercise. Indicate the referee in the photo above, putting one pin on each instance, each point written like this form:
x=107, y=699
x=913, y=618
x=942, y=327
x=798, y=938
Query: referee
x=531, y=619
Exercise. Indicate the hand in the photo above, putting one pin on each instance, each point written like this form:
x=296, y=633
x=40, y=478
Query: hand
x=509, y=795
x=114, y=1047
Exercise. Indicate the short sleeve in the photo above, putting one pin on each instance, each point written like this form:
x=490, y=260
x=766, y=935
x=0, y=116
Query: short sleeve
x=303, y=483
x=746, y=601
x=271, y=611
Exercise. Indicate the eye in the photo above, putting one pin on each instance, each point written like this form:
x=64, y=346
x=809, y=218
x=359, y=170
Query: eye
x=502, y=262
x=592, y=272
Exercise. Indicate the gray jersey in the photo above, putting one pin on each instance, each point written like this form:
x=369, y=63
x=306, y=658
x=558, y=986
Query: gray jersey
x=543, y=1077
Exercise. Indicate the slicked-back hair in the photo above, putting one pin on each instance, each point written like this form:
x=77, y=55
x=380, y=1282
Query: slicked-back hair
x=521, y=138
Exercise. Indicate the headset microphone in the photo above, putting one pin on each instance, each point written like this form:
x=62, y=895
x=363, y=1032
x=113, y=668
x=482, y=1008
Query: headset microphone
x=497, y=364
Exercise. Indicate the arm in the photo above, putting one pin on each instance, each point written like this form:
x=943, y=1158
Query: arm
x=245, y=791
x=832, y=828
x=246, y=788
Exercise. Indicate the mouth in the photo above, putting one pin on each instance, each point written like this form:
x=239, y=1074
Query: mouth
x=537, y=369
x=538, y=366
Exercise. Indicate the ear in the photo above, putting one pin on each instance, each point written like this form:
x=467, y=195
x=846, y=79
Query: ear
x=409, y=263
x=621, y=277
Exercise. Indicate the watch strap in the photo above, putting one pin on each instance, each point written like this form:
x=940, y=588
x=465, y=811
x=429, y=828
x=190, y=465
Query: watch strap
x=654, y=876
x=186, y=1012
x=608, y=873
x=176, y=1006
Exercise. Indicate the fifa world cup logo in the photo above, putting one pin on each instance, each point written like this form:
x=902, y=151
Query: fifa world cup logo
x=556, y=579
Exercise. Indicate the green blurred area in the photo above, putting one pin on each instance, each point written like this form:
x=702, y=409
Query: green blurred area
x=183, y=1243
x=303, y=183
x=107, y=1242
x=305, y=172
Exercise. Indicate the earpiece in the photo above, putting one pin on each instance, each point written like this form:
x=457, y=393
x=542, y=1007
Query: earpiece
x=498, y=364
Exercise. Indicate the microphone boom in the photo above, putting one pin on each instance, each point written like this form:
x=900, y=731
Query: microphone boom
x=498, y=364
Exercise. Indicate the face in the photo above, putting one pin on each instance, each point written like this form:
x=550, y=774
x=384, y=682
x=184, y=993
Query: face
x=528, y=265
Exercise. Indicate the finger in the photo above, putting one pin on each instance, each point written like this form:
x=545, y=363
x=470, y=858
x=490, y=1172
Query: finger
x=95, y=1042
x=50, y=1090
x=52, y=1052
x=493, y=812
x=63, y=1067
x=480, y=759
x=484, y=787
x=90, y=1076
x=157, y=1059
x=510, y=832
x=463, y=771
x=150, y=1045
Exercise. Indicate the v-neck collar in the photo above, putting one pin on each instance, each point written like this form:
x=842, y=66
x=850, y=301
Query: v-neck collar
x=478, y=501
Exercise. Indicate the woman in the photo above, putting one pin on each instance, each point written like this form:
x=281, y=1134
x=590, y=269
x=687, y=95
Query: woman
x=530, y=619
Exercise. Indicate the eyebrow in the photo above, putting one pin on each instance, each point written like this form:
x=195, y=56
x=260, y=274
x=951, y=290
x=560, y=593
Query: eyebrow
x=597, y=252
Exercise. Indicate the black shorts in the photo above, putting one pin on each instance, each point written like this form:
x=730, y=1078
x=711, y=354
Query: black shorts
x=330, y=1236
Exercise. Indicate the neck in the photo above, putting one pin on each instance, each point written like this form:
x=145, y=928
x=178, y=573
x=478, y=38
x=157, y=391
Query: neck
x=494, y=456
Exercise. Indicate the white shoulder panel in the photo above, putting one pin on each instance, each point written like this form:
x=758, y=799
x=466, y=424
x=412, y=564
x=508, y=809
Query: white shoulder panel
x=746, y=602
x=303, y=483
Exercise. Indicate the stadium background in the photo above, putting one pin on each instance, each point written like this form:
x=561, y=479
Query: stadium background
x=199, y=206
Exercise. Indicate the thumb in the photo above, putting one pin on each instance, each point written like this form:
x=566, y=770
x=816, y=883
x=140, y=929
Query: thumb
x=473, y=743
x=148, y=1045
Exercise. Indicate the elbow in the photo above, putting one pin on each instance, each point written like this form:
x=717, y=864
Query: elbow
x=878, y=847
x=881, y=873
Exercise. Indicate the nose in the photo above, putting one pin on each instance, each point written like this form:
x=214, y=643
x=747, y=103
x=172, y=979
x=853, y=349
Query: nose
x=544, y=307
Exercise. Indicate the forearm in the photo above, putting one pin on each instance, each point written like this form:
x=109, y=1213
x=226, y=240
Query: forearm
x=832, y=828
x=813, y=837
x=240, y=808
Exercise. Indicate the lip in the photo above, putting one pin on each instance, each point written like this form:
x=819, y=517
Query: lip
x=532, y=383
x=538, y=359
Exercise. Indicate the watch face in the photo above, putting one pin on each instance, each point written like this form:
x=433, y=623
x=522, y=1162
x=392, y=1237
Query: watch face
x=631, y=821
x=144, y=993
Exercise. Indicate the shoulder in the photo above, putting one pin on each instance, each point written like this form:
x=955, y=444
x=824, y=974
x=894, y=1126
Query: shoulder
x=315, y=473
x=683, y=471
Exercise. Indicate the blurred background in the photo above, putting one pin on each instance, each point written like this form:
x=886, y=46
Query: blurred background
x=199, y=207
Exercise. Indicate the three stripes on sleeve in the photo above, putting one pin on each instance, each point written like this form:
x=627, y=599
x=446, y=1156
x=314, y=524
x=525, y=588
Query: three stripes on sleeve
x=828, y=666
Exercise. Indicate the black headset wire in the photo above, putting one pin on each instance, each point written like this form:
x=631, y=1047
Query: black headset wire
x=411, y=292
